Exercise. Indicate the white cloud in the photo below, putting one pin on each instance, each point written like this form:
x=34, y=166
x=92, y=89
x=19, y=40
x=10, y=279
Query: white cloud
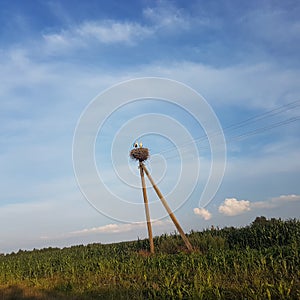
x=57, y=40
x=247, y=84
x=236, y=84
x=202, y=212
x=286, y=198
x=109, y=228
x=104, y=32
x=113, y=228
x=233, y=207
x=276, y=201
x=167, y=16
x=163, y=18
x=113, y=32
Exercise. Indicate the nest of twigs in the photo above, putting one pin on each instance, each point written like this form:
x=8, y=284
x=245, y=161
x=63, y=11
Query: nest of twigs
x=140, y=154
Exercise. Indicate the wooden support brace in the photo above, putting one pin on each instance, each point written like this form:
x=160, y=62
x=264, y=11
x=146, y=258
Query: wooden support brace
x=165, y=204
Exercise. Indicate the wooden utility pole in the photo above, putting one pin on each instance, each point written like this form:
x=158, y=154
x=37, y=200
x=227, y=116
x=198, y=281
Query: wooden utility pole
x=165, y=204
x=141, y=154
x=147, y=209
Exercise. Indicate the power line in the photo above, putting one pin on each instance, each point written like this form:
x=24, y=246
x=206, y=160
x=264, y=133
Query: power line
x=265, y=115
x=241, y=124
x=251, y=120
x=263, y=129
x=246, y=134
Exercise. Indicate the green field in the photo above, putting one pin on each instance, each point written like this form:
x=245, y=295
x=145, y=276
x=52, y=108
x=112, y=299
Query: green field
x=260, y=261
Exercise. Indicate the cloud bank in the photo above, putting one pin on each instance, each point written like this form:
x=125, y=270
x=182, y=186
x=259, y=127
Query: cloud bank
x=234, y=207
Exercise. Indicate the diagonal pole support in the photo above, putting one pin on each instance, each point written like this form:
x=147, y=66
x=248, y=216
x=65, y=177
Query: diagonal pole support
x=168, y=209
x=147, y=208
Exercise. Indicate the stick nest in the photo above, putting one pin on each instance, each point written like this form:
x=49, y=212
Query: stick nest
x=140, y=154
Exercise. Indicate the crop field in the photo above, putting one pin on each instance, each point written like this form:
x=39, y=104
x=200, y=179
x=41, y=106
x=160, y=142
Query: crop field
x=260, y=261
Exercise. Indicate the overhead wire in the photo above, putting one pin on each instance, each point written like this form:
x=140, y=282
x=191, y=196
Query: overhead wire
x=243, y=123
x=261, y=117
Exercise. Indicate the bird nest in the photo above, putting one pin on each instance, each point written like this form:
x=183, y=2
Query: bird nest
x=140, y=154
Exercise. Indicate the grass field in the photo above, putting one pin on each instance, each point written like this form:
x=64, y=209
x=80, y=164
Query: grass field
x=260, y=261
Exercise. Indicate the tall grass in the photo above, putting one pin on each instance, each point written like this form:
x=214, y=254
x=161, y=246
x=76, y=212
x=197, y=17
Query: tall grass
x=260, y=261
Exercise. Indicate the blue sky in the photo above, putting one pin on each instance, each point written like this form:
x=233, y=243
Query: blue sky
x=56, y=56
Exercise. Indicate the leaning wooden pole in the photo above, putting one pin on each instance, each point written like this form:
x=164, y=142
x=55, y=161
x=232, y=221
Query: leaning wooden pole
x=147, y=208
x=165, y=204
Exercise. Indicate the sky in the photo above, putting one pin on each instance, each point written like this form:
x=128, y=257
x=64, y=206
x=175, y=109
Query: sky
x=208, y=75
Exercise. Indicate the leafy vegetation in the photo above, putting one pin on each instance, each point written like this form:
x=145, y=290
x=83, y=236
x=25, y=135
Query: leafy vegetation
x=260, y=261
